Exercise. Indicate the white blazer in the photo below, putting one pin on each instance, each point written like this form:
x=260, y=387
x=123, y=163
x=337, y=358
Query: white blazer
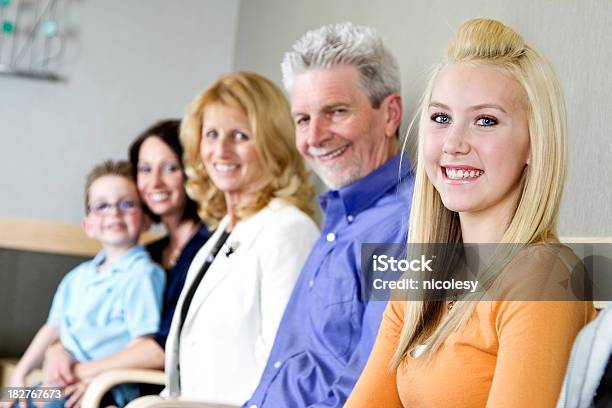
x=235, y=312
x=587, y=364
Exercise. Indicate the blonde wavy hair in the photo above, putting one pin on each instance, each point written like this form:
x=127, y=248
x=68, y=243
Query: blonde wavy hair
x=272, y=130
x=490, y=43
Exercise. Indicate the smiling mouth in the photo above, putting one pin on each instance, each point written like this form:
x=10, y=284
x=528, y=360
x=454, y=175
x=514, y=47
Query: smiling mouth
x=225, y=168
x=156, y=197
x=457, y=173
x=116, y=226
x=333, y=154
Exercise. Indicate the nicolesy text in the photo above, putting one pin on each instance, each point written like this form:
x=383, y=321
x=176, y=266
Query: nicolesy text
x=430, y=284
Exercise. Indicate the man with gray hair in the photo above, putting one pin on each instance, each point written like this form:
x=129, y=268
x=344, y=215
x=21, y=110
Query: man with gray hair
x=345, y=99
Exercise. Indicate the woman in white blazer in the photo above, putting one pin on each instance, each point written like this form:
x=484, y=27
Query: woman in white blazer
x=252, y=186
x=231, y=323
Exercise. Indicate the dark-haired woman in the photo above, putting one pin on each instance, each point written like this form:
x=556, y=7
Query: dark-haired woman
x=156, y=159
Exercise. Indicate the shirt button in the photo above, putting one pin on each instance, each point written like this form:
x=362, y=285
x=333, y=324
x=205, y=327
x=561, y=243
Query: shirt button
x=253, y=406
x=311, y=283
x=331, y=236
x=277, y=364
x=350, y=218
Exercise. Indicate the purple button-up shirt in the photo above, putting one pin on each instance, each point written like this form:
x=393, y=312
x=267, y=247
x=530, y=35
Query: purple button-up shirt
x=328, y=329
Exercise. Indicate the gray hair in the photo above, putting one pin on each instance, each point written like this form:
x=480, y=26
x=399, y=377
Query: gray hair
x=345, y=44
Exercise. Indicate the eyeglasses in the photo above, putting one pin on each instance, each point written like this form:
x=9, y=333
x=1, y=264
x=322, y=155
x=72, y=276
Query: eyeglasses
x=123, y=206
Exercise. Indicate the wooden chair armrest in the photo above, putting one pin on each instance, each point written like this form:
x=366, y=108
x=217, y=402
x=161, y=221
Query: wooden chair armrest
x=102, y=383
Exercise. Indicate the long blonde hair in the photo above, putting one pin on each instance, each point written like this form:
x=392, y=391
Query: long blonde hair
x=489, y=42
x=270, y=120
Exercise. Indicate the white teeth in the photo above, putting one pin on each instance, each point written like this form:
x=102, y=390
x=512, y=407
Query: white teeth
x=225, y=167
x=158, y=196
x=462, y=174
x=115, y=225
x=333, y=154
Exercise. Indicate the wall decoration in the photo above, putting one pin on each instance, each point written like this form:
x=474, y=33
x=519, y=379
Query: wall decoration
x=31, y=38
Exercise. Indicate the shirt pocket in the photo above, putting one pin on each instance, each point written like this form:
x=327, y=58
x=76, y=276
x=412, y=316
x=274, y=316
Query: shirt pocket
x=333, y=283
x=332, y=314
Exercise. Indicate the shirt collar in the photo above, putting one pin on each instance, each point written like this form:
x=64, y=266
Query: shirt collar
x=362, y=193
x=124, y=262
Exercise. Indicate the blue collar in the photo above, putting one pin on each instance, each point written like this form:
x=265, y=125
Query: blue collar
x=124, y=262
x=362, y=193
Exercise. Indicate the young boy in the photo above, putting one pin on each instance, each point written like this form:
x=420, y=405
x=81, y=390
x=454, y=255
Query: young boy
x=105, y=304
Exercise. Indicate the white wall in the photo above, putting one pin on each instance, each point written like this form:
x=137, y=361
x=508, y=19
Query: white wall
x=133, y=62
x=574, y=34
x=130, y=63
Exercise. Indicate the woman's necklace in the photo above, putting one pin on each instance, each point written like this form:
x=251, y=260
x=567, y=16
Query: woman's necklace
x=451, y=303
x=173, y=257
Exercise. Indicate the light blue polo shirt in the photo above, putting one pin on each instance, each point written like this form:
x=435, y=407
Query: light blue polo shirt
x=100, y=312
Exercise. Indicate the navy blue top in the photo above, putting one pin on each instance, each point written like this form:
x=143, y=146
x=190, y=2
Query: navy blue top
x=328, y=329
x=175, y=277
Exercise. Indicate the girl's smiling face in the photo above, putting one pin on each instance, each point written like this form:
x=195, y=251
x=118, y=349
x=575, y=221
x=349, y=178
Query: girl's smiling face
x=476, y=139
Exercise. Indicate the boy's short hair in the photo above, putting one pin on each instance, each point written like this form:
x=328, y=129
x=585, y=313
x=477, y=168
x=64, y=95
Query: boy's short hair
x=119, y=168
